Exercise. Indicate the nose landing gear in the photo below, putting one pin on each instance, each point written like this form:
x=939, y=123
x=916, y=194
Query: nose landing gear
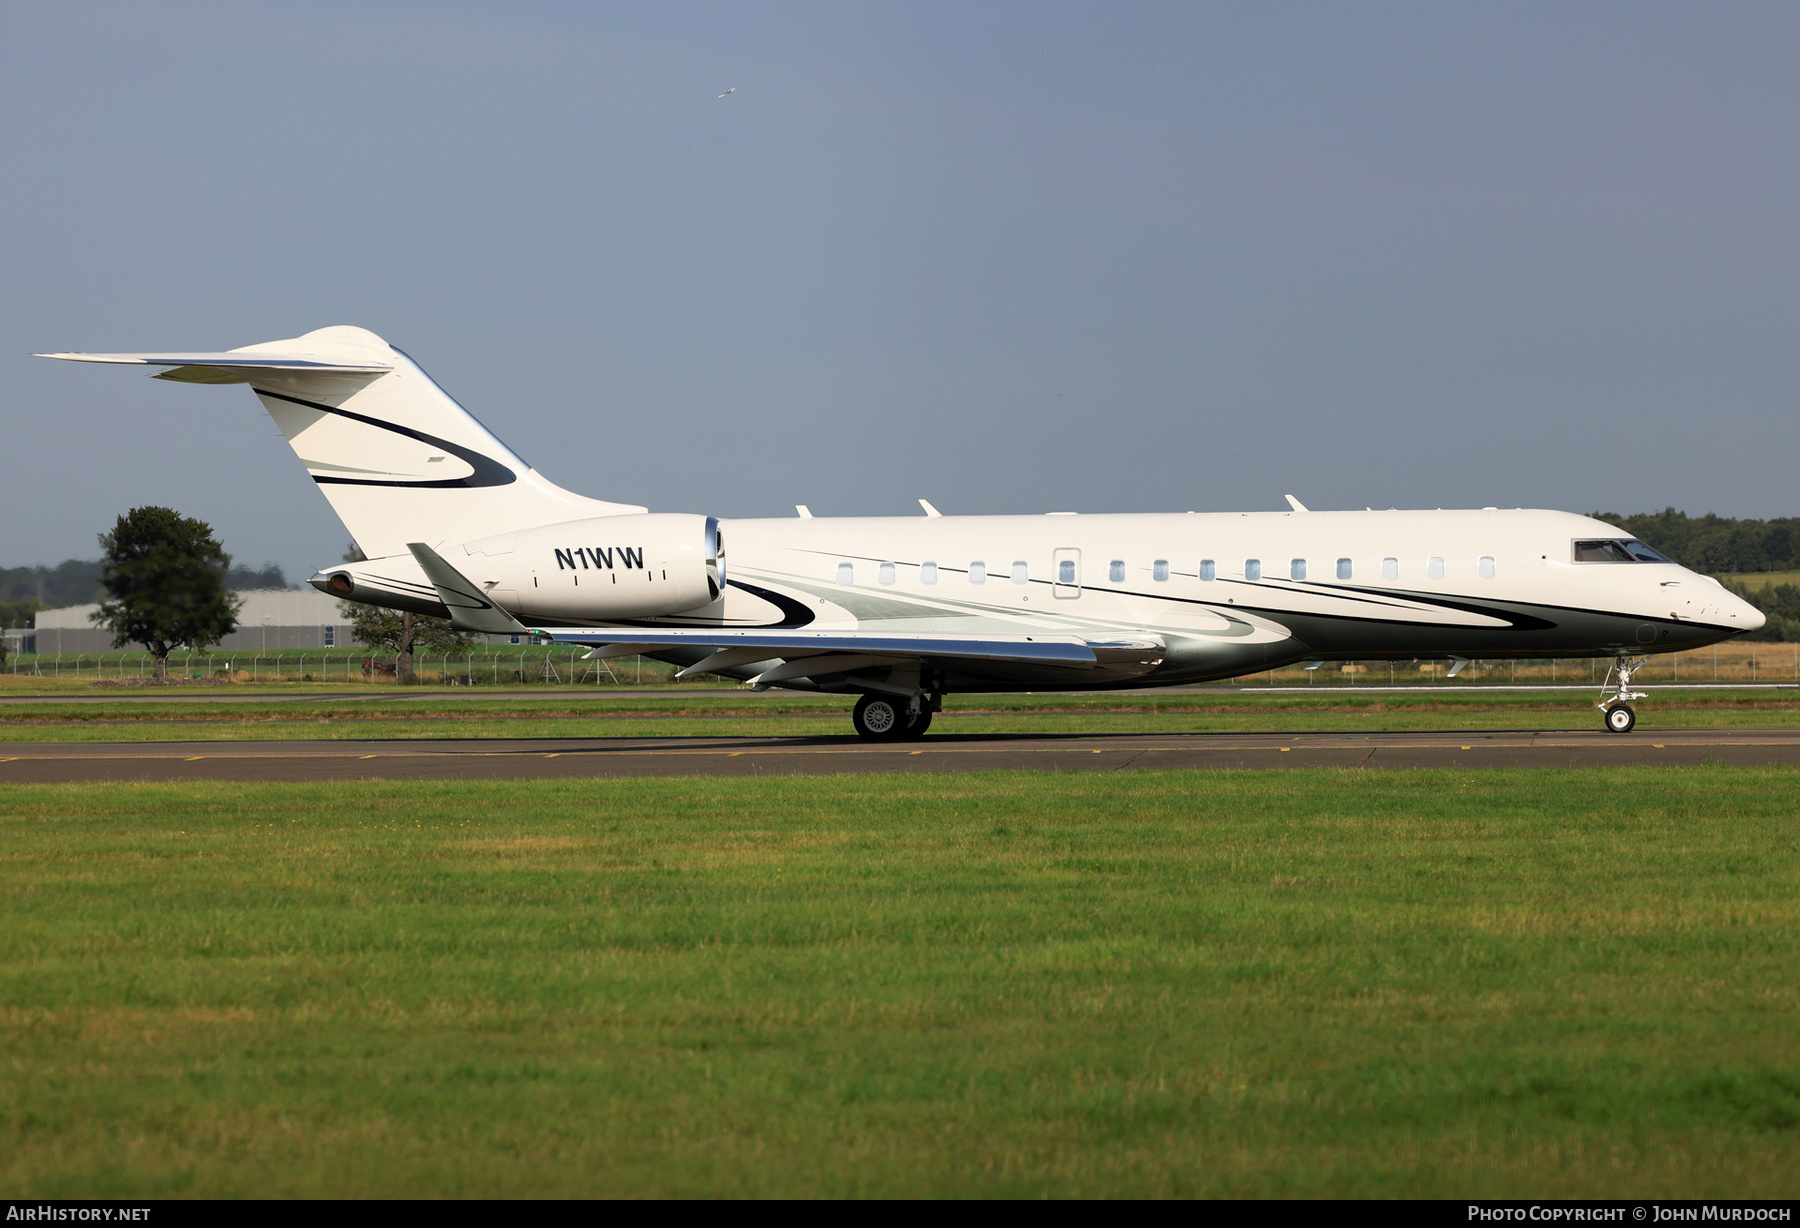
x=1616, y=708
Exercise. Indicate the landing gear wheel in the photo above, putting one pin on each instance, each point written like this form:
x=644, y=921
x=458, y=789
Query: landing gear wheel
x=880, y=717
x=921, y=721
x=1616, y=709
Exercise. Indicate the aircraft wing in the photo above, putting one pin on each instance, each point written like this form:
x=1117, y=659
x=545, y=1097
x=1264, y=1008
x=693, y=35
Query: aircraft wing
x=790, y=655
x=1039, y=649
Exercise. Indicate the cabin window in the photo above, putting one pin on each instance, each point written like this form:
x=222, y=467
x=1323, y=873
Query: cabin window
x=1252, y=569
x=1115, y=571
x=1343, y=569
x=1434, y=567
x=1485, y=567
x=977, y=573
x=1159, y=570
x=927, y=573
x=1208, y=569
x=1021, y=574
x=1296, y=569
x=885, y=573
x=846, y=573
x=1065, y=571
x=1390, y=569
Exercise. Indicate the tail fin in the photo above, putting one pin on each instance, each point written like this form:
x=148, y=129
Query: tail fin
x=396, y=457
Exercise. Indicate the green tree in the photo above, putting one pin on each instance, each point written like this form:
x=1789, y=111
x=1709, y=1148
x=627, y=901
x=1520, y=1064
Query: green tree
x=18, y=613
x=164, y=576
x=401, y=633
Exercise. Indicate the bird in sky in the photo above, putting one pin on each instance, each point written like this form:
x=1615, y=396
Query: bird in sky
x=732, y=90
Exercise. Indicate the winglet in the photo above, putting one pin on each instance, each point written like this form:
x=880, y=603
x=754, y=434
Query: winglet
x=470, y=610
x=930, y=510
x=1296, y=504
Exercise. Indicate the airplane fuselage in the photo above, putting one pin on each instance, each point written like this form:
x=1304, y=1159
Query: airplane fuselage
x=1226, y=594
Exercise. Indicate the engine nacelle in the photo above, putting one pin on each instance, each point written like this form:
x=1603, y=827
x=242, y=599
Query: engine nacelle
x=581, y=571
x=600, y=570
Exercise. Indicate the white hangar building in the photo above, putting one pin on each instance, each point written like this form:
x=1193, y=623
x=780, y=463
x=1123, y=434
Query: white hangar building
x=270, y=619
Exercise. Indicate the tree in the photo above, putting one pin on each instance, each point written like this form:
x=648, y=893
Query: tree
x=164, y=576
x=379, y=627
x=241, y=577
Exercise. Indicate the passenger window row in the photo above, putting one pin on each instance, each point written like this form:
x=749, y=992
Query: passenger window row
x=1159, y=570
x=885, y=573
x=1297, y=569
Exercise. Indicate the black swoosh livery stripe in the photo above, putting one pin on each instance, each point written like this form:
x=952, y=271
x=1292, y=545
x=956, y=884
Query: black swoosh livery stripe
x=793, y=613
x=488, y=471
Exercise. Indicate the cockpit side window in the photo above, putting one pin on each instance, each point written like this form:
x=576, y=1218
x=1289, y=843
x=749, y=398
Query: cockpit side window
x=1616, y=551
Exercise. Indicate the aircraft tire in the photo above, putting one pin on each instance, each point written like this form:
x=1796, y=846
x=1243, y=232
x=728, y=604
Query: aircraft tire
x=1620, y=718
x=881, y=718
x=919, y=725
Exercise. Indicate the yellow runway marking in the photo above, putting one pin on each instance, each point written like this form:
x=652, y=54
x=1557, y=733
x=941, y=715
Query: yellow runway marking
x=195, y=758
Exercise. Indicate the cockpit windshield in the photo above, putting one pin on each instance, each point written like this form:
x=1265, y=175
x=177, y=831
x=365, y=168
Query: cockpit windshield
x=1618, y=551
x=1647, y=554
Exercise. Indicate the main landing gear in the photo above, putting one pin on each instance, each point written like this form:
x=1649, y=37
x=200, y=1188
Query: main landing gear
x=1616, y=708
x=890, y=718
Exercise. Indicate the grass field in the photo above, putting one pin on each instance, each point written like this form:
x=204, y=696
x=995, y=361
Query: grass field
x=1411, y=984
x=1762, y=579
x=728, y=713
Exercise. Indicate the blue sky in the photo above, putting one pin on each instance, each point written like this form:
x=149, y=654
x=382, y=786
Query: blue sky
x=1006, y=257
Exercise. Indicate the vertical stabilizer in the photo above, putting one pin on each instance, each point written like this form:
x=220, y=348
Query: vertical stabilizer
x=398, y=459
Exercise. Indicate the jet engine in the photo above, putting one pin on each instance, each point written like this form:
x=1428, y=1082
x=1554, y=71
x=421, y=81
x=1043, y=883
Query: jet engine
x=600, y=570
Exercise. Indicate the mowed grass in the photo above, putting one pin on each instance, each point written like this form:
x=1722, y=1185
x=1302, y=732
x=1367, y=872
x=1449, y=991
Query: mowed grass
x=1449, y=984
x=729, y=715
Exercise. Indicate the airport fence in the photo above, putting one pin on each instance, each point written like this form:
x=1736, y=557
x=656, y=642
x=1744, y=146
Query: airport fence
x=507, y=665
x=527, y=665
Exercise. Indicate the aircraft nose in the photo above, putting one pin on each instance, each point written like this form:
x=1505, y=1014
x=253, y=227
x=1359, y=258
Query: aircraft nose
x=1751, y=618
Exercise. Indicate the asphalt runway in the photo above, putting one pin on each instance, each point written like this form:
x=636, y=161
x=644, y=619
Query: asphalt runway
x=563, y=758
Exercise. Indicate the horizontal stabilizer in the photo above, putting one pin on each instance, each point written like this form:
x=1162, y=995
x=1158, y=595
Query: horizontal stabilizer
x=231, y=366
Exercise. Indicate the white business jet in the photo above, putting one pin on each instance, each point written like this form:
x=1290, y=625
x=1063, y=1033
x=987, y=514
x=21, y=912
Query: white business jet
x=903, y=610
